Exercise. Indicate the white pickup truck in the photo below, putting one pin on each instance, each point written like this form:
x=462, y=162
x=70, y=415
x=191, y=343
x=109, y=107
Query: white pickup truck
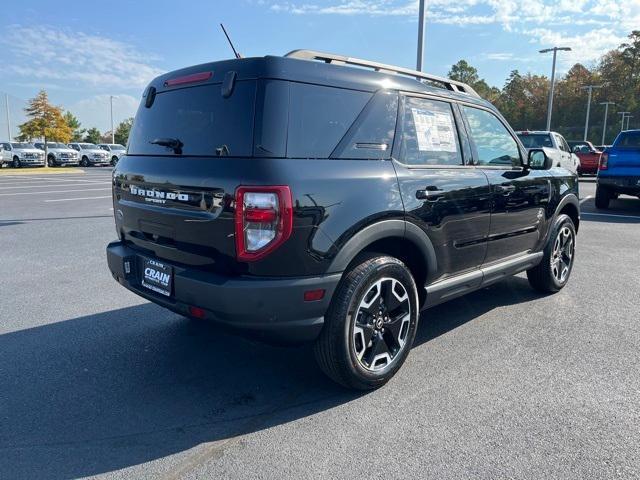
x=554, y=145
x=20, y=154
x=59, y=154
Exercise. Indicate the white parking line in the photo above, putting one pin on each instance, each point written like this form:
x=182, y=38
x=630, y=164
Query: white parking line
x=41, y=185
x=77, y=198
x=610, y=215
x=54, y=191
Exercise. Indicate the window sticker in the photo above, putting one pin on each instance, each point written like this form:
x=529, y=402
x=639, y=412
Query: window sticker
x=435, y=131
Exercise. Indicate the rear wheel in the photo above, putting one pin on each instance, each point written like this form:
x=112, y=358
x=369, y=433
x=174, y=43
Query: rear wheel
x=16, y=163
x=603, y=197
x=370, y=325
x=553, y=272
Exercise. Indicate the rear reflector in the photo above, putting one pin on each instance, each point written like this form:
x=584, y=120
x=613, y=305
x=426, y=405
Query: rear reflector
x=313, y=295
x=197, y=312
x=193, y=78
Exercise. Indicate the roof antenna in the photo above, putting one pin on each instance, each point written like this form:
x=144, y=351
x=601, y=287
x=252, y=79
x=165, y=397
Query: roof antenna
x=230, y=42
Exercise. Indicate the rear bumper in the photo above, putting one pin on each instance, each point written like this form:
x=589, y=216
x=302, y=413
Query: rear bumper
x=629, y=185
x=270, y=308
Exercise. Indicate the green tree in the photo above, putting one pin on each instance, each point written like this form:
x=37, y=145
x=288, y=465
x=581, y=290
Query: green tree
x=463, y=72
x=75, y=125
x=45, y=121
x=93, y=135
x=123, y=130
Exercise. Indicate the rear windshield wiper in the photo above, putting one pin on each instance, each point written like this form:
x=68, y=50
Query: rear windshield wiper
x=173, y=143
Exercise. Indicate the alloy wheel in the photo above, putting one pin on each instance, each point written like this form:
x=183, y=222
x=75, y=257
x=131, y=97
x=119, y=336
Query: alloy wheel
x=381, y=326
x=562, y=255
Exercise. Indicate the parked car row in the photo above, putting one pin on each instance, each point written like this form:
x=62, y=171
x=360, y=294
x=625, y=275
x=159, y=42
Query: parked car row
x=25, y=154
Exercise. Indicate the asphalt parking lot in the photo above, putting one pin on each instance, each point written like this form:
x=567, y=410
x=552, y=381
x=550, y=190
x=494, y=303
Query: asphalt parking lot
x=503, y=383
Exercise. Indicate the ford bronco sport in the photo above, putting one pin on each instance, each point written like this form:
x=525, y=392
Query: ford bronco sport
x=301, y=199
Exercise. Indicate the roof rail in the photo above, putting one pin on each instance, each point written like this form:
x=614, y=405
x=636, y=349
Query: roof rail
x=452, y=85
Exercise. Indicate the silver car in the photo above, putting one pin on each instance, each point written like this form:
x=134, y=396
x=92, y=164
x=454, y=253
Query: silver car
x=59, y=154
x=115, y=150
x=20, y=154
x=90, y=154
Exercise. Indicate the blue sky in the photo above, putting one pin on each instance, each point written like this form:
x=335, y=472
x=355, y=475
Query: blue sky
x=82, y=53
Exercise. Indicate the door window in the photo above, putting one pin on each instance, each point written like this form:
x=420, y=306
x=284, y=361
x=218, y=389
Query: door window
x=491, y=140
x=429, y=134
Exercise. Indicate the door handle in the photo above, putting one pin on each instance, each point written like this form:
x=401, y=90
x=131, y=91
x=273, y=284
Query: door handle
x=505, y=189
x=431, y=193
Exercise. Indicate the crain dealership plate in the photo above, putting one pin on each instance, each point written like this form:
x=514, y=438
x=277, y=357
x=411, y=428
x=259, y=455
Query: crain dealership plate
x=157, y=276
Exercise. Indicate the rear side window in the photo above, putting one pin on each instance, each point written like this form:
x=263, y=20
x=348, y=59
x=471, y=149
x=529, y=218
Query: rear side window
x=319, y=117
x=200, y=118
x=536, y=140
x=429, y=134
x=629, y=140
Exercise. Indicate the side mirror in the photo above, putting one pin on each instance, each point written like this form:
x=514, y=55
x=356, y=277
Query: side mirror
x=537, y=159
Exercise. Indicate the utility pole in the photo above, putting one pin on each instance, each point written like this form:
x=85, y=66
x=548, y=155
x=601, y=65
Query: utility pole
x=629, y=117
x=624, y=114
x=6, y=103
x=589, y=88
x=113, y=134
x=606, y=114
x=420, y=35
x=555, y=51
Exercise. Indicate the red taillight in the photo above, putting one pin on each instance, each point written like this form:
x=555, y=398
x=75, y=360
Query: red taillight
x=264, y=220
x=604, y=161
x=193, y=78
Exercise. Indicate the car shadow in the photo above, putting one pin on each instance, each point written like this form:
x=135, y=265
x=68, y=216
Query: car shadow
x=117, y=389
x=623, y=209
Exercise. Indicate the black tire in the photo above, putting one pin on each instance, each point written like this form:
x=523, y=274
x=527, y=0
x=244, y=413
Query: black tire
x=51, y=161
x=345, y=328
x=603, y=197
x=114, y=160
x=84, y=162
x=16, y=163
x=544, y=277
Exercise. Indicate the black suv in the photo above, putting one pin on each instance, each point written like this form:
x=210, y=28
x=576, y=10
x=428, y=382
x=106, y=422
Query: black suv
x=301, y=199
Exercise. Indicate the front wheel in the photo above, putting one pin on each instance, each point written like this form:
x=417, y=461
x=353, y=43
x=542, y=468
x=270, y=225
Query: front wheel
x=370, y=325
x=51, y=162
x=84, y=162
x=16, y=163
x=553, y=272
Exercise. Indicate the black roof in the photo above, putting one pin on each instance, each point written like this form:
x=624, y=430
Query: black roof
x=306, y=71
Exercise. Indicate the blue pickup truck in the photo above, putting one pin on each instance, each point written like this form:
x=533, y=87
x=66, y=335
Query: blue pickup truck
x=619, y=169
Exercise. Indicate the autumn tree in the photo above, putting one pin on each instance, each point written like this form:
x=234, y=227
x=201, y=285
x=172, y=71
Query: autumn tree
x=45, y=121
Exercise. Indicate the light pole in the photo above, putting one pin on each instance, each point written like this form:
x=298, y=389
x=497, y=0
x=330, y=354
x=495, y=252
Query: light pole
x=624, y=114
x=113, y=134
x=553, y=79
x=589, y=88
x=606, y=114
x=6, y=103
x=420, y=35
x=629, y=117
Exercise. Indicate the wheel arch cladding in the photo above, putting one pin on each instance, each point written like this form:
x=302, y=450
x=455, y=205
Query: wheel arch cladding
x=397, y=238
x=570, y=206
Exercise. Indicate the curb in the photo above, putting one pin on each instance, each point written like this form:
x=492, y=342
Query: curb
x=11, y=172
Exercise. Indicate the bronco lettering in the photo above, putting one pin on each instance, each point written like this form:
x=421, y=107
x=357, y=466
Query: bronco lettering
x=153, y=195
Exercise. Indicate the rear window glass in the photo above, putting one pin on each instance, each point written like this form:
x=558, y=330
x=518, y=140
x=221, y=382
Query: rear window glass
x=629, y=140
x=319, y=117
x=200, y=118
x=536, y=140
